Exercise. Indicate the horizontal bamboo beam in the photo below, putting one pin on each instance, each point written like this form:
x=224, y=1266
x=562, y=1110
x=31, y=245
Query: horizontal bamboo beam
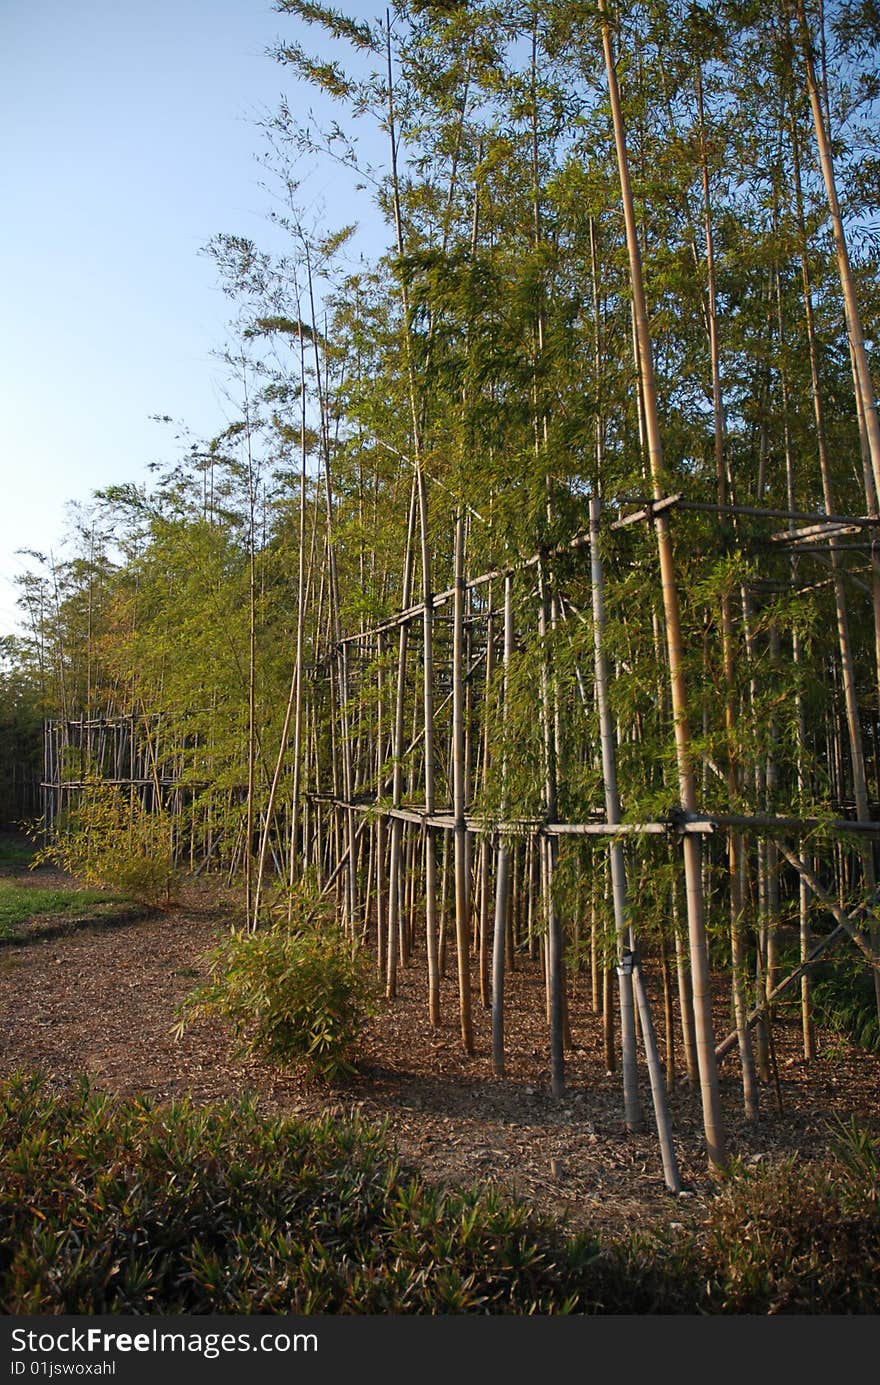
x=766, y=822
x=652, y=507
x=793, y=538
x=678, y=823
x=151, y=782
x=605, y=829
x=418, y=815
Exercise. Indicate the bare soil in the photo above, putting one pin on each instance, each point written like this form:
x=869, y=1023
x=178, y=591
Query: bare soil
x=100, y=997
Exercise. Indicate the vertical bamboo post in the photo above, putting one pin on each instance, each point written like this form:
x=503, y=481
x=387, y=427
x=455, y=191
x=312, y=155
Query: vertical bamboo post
x=631, y=1102
x=462, y=882
x=296, y=786
x=485, y=844
x=381, y=926
x=629, y=970
x=444, y=906
x=691, y=849
x=502, y=866
x=553, y=933
x=397, y=753
x=734, y=839
x=667, y=1013
x=430, y=847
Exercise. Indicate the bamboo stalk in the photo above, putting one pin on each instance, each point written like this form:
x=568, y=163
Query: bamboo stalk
x=462, y=882
x=502, y=867
x=632, y=1105
x=553, y=930
x=712, y=1122
x=397, y=753
x=847, y=282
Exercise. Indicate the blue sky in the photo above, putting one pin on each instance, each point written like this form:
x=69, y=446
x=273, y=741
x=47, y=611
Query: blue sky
x=127, y=140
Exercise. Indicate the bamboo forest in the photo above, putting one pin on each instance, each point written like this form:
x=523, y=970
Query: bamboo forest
x=498, y=694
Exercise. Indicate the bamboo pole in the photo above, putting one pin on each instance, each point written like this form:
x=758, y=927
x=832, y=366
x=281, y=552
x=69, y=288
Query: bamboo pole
x=734, y=840
x=397, y=754
x=847, y=282
x=553, y=929
x=381, y=923
x=502, y=867
x=629, y=970
x=700, y=980
x=485, y=844
x=632, y=1105
x=462, y=882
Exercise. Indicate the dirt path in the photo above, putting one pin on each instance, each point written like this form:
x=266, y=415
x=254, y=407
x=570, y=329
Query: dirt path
x=100, y=997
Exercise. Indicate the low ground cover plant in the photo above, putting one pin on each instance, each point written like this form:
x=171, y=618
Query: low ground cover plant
x=113, y=1205
x=128, y=1206
x=20, y=903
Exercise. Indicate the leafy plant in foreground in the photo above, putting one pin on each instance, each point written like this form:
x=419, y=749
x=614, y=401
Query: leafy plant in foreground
x=121, y=1206
x=131, y=1206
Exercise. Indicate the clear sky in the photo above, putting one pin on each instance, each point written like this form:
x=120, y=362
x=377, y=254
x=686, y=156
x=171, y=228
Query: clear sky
x=127, y=140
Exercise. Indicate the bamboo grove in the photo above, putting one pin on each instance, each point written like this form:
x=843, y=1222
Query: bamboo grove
x=531, y=603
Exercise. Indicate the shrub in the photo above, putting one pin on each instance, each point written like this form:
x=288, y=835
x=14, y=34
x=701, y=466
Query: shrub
x=795, y=1237
x=115, y=1206
x=844, y=1000
x=106, y=840
x=132, y=1206
x=295, y=994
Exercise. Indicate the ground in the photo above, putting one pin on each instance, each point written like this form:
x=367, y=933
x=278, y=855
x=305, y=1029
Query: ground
x=100, y=996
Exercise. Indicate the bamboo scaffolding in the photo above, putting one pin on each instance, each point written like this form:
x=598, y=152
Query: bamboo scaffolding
x=678, y=501
x=452, y=717
x=677, y=825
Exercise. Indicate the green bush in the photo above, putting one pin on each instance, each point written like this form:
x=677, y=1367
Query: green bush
x=794, y=1237
x=294, y=994
x=114, y=1206
x=104, y=839
x=131, y=1206
x=844, y=1000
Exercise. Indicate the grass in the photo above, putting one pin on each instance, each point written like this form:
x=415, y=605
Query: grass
x=21, y=903
x=15, y=853
x=117, y=1205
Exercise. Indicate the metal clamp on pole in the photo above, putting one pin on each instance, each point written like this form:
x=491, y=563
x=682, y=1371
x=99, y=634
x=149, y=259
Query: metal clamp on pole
x=675, y=821
x=629, y=961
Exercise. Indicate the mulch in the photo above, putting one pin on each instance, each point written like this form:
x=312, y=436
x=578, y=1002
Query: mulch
x=100, y=996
